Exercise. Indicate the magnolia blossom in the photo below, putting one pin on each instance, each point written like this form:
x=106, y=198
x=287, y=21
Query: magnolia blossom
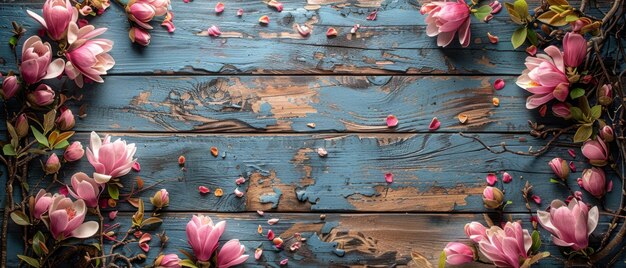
x=37, y=63
x=231, y=254
x=559, y=167
x=167, y=261
x=110, y=159
x=52, y=164
x=139, y=35
x=66, y=219
x=458, y=253
x=203, y=236
x=445, y=19
x=57, y=15
x=594, y=181
x=506, y=247
x=43, y=95
x=42, y=203
x=607, y=134
x=66, y=120
x=571, y=224
x=85, y=188
x=475, y=231
x=160, y=199
x=575, y=49
x=596, y=151
x=74, y=152
x=10, y=86
x=492, y=197
x=87, y=57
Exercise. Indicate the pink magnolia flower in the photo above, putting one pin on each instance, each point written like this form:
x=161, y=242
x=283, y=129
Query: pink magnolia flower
x=445, y=19
x=231, y=254
x=458, y=253
x=574, y=49
x=110, y=159
x=141, y=13
x=42, y=203
x=167, y=261
x=10, y=86
x=57, y=15
x=571, y=224
x=596, y=151
x=139, y=35
x=506, y=247
x=559, y=167
x=43, y=95
x=594, y=181
x=37, y=63
x=66, y=120
x=492, y=197
x=475, y=231
x=85, y=188
x=86, y=56
x=562, y=110
x=605, y=94
x=203, y=236
x=52, y=164
x=66, y=219
x=74, y=152
x=545, y=78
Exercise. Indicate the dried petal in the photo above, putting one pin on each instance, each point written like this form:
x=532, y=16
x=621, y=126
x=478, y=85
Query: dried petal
x=203, y=189
x=144, y=246
x=284, y=262
x=272, y=221
x=572, y=166
x=491, y=179
x=218, y=192
x=434, y=124
x=139, y=182
x=181, y=160
x=322, y=152
x=355, y=28
x=112, y=215
x=264, y=20
x=542, y=110
x=260, y=212
x=372, y=15
x=311, y=125
x=278, y=242
x=506, y=177
x=295, y=246
x=219, y=7
x=214, y=151
x=392, y=121
x=138, y=234
x=240, y=180
x=215, y=32
x=571, y=152
x=112, y=202
x=498, y=84
x=389, y=178
x=258, y=253
x=493, y=38
x=259, y=229
x=240, y=12
x=303, y=30
x=531, y=50
x=270, y=235
x=331, y=32
x=495, y=102
x=145, y=237
x=238, y=193
x=463, y=118
x=136, y=166
x=537, y=199
x=275, y=4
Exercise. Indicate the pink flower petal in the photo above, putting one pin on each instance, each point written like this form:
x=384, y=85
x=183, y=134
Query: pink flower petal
x=531, y=50
x=136, y=166
x=295, y=246
x=238, y=193
x=113, y=215
x=580, y=182
x=493, y=38
x=219, y=7
x=355, y=28
x=264, y=19
x=572, y=153
x=572, y=166
x=258, y=253
x=275, y=4
x=372, y=15
x=203, y=190
x=498, y=84
x=389, y=178
x=506, y=177
x=145, y=237
x=331, y=32
x=609, y=186
x=240, y=12
x=272, y=221
x=491, y=179
x=536, y=198
x=64, y=191
x=145, y=247
x=240, y=180
x=284, y=262
x=270, y=235
x=260, y=212
x=322, y=152
x=392, y=121
x=434, y=124
x=303, y=30
x=542, y=110
x=214, y=31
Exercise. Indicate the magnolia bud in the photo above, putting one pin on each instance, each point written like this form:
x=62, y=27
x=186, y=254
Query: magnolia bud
x=562, y=110
x=53, y=164
x=139, y=36
x=606, y=133
x=74, y=152
x=66, y=120
x=21, y=125
x=10, y=86
x=492, y=197
x=160, y=199
x=559, y=167
x=42, y=96
x=86, y=10
x=605, y=94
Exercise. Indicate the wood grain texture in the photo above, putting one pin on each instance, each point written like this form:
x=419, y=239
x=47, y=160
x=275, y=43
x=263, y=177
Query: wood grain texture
x=432, y=173
x=288, y=104
x=394, y=43
x=372, y=240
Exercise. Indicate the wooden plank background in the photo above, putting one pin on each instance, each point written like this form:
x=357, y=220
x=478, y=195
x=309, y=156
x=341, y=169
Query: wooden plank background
x=251, y=94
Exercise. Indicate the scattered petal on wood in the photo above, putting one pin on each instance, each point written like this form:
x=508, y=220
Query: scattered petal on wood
x=434, y=124
x=372, y=15
x=495, y=101
x=270, y=235
x=275, y=4
x=488, y=18
x=240, y=180
x=537, y=199
x=238, y=193
x=491, y=179
x=506, y=177
x=145, y=237
x=496, y=6
x=218, y=192
x=240, y=12
x=542, y=110
x=284, y=262
x=112, y=215
x=463, y=118
x=311, y=125
x=493, y=38
x=531, y=50
x=572, y=166
x=355, y=28
x=260, y=212
x=278, y=242
x=258, y=253
x=214, y=151
x=138, y=234
x=181, y=160
x=303, y=30
x=580, y=182
x=322, y=152
x=498, y=84
x=136, y=166
x=609, y=186
x=259, y=229
x=331, y=32
x=322, y=216
x=139, y=182
x=295, y=246
x=112, y=202
x=219, y=7
x=389, y=178
x=571, y=152
x=272, y=221
x=392, y=121
x=214, y=31
x=264, y=20
x=203, y=189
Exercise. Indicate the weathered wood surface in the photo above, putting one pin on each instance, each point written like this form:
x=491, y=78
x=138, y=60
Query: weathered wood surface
x=432, y=173
x=395, y=42
x=372, y=240
x=289, y=103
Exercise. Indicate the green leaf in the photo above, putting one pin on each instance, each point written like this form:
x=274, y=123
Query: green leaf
x=187, y=263
x=12, y=132
x=596, y=112
x=553, y=180
x=48, y=121
x=13, y=41
x=571, y=18
x=531, y=35
x=536, y=241
x=20, y=218
x=8, y=150
x=482, y=12
x=577, y=113
x=442, y=259
x=521, y=7
x=576, y=93
x=518, y=37
x=31, y=261
x=40, y=137
x=583, y=133
x=61, y=145
x=114, y=191
x=513, y=14
x=39, y=244
x=151, y=223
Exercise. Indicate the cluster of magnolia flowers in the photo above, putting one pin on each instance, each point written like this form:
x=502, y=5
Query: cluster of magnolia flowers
x=141, y=12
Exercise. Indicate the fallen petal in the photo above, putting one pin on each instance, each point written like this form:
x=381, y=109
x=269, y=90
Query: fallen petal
x=278, y=242
x=240, y=180
x=303, y=30
x=284, y=262
x=392, y=120
x=295, y=246
x=531, y=50
x=495, y=102
x=609, y=186
x=219, y=7
x=275, y=4
x=145, y=237
x=264, y=19
x=181, y=160
x=498, y=84
x=272, y=221
x=493, y=38
x=270, y=235
x=322, y=152
x=572, y=166
x=463, y=118
x=238, y=193
x=240, y=12
x=537, y=199
x=203, y=189
x=144, y=246
x=372, y=15
x=218, y=192
x=355, y=28
x=491, y=179
x=331, y=32
x=580, y=182
x=136, y=166
x=214, y=31
x=112, y=215
x=542, y=110
x=138, y=234
x=506, y=177
x=258, y=253
x=259, y=229
x=260, y=212
x=311, y=125
x=214, y=151
x=434, y=124
x=389, y=178
x=571, y=152
x=488, y=18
